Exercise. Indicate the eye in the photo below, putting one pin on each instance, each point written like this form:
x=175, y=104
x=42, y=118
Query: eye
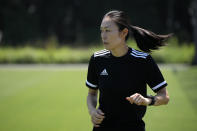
x=107, y=30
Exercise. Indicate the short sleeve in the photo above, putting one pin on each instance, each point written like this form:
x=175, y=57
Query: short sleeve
x=154, y=77
x=92, y=79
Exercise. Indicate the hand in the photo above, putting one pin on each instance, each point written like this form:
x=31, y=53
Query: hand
x=138, y=99
x=97, y=117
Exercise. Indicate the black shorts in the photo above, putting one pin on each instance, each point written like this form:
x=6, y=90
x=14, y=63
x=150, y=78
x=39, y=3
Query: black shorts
x=119, y=129
x=138, y=127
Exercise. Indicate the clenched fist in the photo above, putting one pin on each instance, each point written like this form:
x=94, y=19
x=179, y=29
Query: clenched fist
x=97, y=117
x=138, y=99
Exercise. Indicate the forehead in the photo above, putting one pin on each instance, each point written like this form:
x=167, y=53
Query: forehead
x=108, y=23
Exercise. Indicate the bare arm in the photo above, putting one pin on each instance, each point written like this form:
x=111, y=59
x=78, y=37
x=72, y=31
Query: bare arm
x=162, y=98
x=97, y=115
x=92, y=100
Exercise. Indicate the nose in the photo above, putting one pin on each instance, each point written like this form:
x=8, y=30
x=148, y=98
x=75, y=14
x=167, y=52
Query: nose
x=103, y=36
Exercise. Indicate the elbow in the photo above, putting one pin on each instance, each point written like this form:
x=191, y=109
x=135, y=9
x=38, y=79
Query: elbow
x=167, y=99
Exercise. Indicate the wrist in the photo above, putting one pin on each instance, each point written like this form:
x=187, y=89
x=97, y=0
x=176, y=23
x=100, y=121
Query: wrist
x=152, y=100
x=91, y=111
x=148, y=101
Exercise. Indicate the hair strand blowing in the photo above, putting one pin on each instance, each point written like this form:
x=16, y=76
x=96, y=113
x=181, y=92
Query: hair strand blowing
x=147, y=40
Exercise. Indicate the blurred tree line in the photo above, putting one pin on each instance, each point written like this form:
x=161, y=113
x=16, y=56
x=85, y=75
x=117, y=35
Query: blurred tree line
x=78, y=21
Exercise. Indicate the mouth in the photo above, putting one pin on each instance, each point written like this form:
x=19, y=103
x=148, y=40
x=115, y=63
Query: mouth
x=105, y=43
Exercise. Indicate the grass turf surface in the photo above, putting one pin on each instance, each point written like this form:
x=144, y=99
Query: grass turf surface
x=55, y=100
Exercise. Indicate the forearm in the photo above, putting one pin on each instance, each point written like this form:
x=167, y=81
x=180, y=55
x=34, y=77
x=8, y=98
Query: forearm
x=162, y=97
x=161, y=100
x=91, y=102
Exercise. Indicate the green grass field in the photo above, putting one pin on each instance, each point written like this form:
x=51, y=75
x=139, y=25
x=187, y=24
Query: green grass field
x=54, y=99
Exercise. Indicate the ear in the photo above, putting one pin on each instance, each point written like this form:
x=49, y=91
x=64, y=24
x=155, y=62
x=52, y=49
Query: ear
x=124, y=32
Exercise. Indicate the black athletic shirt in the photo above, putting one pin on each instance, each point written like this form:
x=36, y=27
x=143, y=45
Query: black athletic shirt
x=120, y=77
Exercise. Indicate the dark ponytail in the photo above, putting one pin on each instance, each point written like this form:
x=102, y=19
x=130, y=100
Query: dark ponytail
x=146, y=40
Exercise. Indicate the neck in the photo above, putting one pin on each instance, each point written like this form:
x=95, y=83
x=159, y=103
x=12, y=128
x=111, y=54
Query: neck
x=120, y=50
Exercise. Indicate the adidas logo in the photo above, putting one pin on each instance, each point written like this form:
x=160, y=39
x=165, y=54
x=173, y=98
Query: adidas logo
x=104, y=72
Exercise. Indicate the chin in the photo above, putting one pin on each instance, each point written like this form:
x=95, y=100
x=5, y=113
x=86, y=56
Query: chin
x=106, y=47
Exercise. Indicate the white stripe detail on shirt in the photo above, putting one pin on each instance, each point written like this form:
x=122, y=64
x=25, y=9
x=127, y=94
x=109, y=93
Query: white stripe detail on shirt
x=139, y=53
x=138, y=56
x=100, y=51
x=159, y=85
x=90, y=84
x=101, y=54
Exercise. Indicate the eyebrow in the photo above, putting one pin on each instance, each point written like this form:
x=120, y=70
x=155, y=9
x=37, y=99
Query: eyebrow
x=104, y=27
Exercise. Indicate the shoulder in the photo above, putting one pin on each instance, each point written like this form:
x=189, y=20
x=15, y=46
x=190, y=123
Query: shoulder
x=101, y=53
x=139, y=54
